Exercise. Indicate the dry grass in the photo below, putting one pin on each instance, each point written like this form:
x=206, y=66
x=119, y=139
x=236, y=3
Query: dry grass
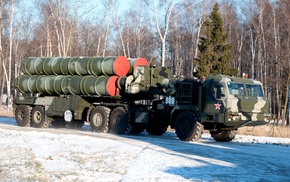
x=4, y=111
x=265, y=130
x=270, y=130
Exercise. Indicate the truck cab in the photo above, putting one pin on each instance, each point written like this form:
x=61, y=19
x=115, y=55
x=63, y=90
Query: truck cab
x=220, y=104
x=234, y=101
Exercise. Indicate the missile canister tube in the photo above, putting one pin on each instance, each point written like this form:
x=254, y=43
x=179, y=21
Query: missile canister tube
x=121, y=82
x=119, y=66
x=44, y=84
x=31, y=83
x=68, y=85
x=21, y=83
x=50, y=66
x=64, y=66
x=102, y=85
x=32, y=66
x=74, y=85
x=134, y=62
x=97, y=66
x=40, y=82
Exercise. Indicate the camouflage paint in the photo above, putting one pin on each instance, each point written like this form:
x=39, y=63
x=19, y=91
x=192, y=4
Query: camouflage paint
x=149, y=79
x=243, y=108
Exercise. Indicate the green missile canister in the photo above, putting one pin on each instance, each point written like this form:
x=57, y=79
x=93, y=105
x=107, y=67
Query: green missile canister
x=21, y=83
x=119, y=66
x=81, y=66
x=91, y=85
x=134, y=62
x=68, y=85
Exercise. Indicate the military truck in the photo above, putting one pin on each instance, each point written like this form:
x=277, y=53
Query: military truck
x=128, y=96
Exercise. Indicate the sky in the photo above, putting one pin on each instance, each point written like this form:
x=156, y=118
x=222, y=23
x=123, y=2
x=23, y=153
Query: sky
x=123, y=5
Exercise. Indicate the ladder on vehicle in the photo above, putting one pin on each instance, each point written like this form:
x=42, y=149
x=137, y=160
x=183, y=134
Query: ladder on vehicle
x=184, y=94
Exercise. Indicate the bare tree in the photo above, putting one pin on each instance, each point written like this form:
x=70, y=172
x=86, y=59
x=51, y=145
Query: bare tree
x=7, y=73
x=1, y=50
x=236, y=31
x=167, y=16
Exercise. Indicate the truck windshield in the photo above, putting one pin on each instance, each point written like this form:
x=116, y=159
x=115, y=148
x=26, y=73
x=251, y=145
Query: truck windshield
x=254, y=90
x=236, y=88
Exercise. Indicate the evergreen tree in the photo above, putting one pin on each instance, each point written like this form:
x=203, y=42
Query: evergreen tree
x=215, y=53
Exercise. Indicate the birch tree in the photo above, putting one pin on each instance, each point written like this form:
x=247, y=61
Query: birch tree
x=163, y=16
x=1, y=50
x=7, y=70
x=110, y=4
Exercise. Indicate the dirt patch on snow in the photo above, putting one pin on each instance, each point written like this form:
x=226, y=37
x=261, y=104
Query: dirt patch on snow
x=4, y=111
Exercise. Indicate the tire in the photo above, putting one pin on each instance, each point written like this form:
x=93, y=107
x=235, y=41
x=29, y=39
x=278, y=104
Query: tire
x=223, y=136
x=38, y=118
x=119, y=121
x=99, y=119
x=75, y=124
x=158, y=125
x=23, y=115
x=187, y=128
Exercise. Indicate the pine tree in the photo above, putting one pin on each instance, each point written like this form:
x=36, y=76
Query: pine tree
x=215, y=52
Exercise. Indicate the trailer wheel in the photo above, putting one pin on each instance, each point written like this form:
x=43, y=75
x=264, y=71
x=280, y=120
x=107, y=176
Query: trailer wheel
x=38, y=118
x=187, y=128
x=158, y=125
x=223, y=136
x=99, y=119
x=23, y=115
x=119, y=121
x=75, y=124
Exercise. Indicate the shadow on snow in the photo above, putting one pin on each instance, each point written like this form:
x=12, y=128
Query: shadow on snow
x=210, y=159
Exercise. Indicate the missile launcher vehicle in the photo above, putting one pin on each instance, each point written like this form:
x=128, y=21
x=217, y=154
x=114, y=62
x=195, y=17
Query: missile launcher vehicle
x=127, y=96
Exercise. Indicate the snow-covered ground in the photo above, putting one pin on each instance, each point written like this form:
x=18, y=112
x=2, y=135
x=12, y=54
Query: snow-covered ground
x=30, y=154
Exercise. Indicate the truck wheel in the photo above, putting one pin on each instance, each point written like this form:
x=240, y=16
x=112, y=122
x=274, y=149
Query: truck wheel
x=223, y=136
x=75, y=124
x=23, y=115
x=99, y=119
x=119, y=121
x=38, y=118
x=187, y=128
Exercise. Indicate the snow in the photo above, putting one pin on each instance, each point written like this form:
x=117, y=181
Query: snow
x=30, y=154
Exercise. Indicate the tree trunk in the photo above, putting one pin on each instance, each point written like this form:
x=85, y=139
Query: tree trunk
x=252, y=54
x=120, y=35
x=108, y=28
x=200, y=23
x=2, y=86
x=10, y=51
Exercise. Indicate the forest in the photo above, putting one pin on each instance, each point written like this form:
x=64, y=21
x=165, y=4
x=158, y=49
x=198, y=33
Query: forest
x=166, y=33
